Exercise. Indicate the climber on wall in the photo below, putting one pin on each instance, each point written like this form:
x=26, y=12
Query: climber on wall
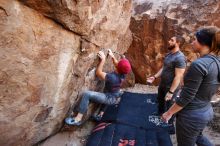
x=171, y=75
x=113, y=82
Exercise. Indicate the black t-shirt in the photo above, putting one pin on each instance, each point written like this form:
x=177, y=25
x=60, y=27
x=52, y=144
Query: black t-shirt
x=113, y=82
x=172, y=61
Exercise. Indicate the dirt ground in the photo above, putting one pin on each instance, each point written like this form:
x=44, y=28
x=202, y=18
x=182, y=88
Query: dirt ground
x=74, y=137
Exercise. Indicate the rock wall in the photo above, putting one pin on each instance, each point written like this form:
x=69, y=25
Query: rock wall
x=99, y=22
x=154, y=22
x=48, y=56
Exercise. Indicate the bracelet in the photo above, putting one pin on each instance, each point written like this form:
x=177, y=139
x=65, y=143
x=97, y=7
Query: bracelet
x=171, y=92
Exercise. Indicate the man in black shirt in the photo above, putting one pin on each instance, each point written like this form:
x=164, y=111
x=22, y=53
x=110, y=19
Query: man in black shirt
x=171, y=75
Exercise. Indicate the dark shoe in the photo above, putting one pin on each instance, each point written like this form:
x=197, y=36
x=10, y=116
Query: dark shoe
x=97, y=118
x=71, y=121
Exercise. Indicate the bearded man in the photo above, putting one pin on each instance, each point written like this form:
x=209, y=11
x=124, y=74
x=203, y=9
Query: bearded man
x=171, y=75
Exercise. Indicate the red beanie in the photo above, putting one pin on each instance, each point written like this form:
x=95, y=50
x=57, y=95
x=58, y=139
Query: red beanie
x=124, y=66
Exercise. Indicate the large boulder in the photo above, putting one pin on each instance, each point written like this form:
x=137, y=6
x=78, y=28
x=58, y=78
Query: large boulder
x=154, y=22
x=45, y=65
x=99, y=22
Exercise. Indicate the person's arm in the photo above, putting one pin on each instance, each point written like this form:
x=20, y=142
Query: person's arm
x=173, y=109
x=99, y=69
x=157, y=75
x=179, y=72
x=192, y=82
x=180, y=65
x=114, y=60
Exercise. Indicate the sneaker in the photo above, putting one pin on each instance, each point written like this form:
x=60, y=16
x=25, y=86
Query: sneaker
x=71, y=121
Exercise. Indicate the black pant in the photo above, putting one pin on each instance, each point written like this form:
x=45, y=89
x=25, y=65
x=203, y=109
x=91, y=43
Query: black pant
x=190, y=124
x=163, y=105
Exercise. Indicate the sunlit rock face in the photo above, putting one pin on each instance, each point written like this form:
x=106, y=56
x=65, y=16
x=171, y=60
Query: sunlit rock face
x=100, y=22
x=154, y=22
x=48, y=53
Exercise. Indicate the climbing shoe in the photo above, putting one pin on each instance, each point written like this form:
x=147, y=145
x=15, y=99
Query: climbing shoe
x=71, y=121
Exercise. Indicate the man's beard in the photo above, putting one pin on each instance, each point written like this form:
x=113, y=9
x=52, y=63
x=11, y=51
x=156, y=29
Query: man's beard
x=171, y=47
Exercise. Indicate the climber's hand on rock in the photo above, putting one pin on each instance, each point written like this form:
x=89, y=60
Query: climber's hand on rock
x=110, y=53
x=123, y=56
x=101, y=55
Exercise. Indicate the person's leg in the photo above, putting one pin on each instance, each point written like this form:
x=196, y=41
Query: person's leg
x=207, y=116
x=112, y=99
x=184, y=133
x=203, y=141
x=190, y=124
x=168, y=104
x=86, y=98
x=98, y=116
x=161, y=99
